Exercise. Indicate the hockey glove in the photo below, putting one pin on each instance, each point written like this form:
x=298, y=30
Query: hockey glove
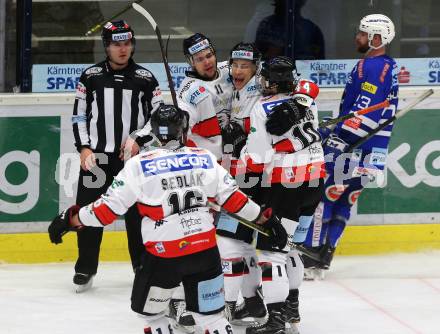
x=61, y=224
x=326, y=130
x=277, y=233
x=333, y=147
x=233, y=138
x=284, y=116
x=334, y=144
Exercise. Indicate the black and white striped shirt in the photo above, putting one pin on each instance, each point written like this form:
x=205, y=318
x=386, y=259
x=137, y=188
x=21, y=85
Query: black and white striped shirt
x=109, y=105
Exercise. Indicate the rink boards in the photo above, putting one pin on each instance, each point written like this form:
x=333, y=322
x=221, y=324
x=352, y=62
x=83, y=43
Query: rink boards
x=39, y=168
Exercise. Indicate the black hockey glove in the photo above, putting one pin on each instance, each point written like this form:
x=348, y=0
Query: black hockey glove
x=233, y=138
x=284, y=116
x=278, y=234
x=61, y=224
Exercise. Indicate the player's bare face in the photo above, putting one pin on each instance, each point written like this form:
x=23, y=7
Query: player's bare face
x=205, y=64
x=119, y=53
x=361, y=41
x=242, y=71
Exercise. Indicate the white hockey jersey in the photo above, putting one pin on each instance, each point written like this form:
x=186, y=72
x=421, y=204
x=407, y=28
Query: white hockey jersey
x=172, y=189
x=243, y=101
x=295, y=156
x=209, y=107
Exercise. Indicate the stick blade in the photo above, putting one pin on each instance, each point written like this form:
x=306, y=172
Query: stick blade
x=141, y=10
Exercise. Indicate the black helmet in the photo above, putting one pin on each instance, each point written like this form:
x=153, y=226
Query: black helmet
x=246, y=51
x=279, y=72
x=169, y=123
x=196, y=43
x=116, y=31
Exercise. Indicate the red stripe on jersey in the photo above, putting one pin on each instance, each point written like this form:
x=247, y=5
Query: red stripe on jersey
x=235, y=202
x=384, y=72
x=190, y=143
x=153, y=212
x=212, y=199
x=181, y=247
x=253, y=166
x=298, y=173
x=104, y=214
x=284, y=145
x=207, y=128
x=247, y=125
x=238, y=167
x=361, y=68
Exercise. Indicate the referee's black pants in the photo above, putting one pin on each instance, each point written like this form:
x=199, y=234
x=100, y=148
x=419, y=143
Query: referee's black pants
x=91, y=185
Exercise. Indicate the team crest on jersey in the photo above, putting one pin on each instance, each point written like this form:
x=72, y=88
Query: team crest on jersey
x=143, y=73
x=94, y=70
x=175, y=163
x=268, y=106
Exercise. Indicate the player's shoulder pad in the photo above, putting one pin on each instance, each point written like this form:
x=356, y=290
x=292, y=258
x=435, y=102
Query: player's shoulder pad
x=223, y=69
x=223, y=66
x=94, y=70
x=185, y=86
x=142, y=73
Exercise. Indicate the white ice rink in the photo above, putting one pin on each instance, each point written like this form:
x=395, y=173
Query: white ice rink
x=393, y=294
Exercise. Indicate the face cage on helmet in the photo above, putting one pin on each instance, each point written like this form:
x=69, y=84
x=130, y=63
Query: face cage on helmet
x=265, y=87
x=178, y=138
x=256, y=62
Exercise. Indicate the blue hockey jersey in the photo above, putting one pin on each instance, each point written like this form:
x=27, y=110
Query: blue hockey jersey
x=371, y=81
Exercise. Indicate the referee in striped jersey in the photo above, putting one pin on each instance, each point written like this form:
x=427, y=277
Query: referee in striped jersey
x=114, y=98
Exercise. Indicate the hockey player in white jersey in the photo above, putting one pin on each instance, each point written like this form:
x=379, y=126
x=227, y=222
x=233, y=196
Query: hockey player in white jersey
x=239, y=258
x=206, y=94
x=285, y=145
x=171, y=187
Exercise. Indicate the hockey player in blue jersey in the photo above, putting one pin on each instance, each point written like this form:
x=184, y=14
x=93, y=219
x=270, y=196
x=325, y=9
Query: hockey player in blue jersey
x=350, y=168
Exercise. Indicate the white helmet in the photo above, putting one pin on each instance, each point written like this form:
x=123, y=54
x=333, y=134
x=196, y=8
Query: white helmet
x=378, y=24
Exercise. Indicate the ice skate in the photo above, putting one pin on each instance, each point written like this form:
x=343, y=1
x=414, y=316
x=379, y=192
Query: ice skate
x=179, y=317
x=290, y=309
x=251, y=312
x=82, y=282
x=274, y=325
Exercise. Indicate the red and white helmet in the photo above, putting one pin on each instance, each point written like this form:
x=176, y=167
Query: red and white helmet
x=378, y=24
x=305, y=92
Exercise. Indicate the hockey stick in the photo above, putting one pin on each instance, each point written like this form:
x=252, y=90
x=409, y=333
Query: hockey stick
x=308, y=253
x=99, y=25
x=397, y=115
x=263, y=231
x=367, y=110
x=141, y=10
x=251, y=225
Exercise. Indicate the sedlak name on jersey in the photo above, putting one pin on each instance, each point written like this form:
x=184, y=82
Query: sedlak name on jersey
x=175, y=163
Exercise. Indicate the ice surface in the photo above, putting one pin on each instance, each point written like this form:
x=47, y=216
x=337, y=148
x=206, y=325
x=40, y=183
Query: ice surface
x=393, y=294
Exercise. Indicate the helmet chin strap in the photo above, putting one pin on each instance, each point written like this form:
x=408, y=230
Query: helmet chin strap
x=374, y=47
